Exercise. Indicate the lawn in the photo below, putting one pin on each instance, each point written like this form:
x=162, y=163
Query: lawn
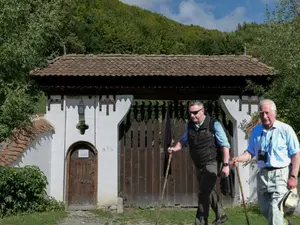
x=148, y=215
x=185, y=216
x=45, y=218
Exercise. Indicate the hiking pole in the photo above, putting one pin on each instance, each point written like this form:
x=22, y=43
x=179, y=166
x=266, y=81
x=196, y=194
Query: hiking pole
x=241, y=187
x=164, y=187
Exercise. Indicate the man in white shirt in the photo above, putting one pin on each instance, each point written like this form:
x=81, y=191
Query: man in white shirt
x=275, y=146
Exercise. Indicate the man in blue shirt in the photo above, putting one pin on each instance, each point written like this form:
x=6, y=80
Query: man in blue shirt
x=205, y=138
x=275, y=146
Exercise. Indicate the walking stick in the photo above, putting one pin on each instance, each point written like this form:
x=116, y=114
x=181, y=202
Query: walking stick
x=241, y=187
x=164, y=187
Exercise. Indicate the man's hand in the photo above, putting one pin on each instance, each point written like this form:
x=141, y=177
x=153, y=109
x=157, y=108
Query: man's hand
x=176, y=148
x=245, y=157
x=235, y=161
x=292, y=182
x=225, y=171
x=173, y=149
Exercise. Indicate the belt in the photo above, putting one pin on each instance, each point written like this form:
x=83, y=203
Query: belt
x=273, y=168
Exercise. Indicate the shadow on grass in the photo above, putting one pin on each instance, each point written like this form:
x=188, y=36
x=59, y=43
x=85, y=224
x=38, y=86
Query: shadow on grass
x=253, y=208
x=168, y=215
x=181, y=216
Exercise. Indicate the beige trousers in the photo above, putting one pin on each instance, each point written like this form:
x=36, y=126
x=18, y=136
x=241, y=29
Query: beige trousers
x=271, y=186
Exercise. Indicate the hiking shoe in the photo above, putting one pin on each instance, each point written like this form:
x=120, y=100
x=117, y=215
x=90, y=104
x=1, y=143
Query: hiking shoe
x=221, y=220
x=201, y=222
x=287, y=222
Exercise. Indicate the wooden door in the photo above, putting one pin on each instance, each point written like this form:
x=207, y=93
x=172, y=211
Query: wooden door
x=82, y=177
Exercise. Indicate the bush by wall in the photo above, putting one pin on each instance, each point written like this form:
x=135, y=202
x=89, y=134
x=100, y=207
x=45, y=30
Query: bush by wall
x=24, y=190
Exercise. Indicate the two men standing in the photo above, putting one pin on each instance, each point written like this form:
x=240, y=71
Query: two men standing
x=273, y=143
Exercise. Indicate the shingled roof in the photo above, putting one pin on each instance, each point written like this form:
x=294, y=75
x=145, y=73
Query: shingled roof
x=154, y=65
x=21, y=140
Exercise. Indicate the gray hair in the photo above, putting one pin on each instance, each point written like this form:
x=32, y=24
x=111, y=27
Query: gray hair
x=268, y=101
x=196, y=102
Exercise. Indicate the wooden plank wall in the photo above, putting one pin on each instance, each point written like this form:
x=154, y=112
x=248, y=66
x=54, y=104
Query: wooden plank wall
x=142, y=159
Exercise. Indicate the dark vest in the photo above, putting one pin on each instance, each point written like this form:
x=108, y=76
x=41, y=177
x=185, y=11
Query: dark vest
x=202, y=143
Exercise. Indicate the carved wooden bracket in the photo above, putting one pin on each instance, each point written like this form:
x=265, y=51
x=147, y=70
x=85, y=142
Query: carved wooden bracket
x=107, y=100
x=61, y=101
x=248, y=100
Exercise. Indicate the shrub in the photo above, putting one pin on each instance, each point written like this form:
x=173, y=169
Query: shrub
x=24, y=190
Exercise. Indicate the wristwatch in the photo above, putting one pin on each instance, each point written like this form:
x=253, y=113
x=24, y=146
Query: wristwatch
x=225, y=164
x=293, y=176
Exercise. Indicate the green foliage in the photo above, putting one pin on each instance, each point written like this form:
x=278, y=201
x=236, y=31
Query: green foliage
x=110, y=26
x=251, y=34
x=15, y=109
x=278, y=45
x=29, y=33
x=24, y=190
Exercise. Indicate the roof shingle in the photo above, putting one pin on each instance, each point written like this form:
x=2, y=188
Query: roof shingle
x=21, y=140
x=154, y=65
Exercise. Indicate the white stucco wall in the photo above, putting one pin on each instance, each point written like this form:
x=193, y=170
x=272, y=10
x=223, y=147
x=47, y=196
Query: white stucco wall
x=56, y=117
x=102, y=133
x=38, y=154
x=253, y=169
x=107, y=146
x=231, y=105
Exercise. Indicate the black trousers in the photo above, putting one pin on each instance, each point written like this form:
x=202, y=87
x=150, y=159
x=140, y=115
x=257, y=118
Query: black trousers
x=208, y=197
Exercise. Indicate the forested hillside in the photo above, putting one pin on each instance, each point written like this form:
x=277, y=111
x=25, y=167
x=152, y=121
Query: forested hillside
x=110, y=26
x=33, y=31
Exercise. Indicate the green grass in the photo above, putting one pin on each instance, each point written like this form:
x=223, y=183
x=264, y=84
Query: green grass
x=45, y=218
x=134, y=215
x=184, y=216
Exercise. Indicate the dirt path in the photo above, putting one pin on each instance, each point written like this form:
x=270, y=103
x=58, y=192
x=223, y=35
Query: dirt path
x=88, y=218
x=80, y=218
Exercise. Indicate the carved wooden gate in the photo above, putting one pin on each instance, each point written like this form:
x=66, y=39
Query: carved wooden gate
x=82, y=176
x=142, y=158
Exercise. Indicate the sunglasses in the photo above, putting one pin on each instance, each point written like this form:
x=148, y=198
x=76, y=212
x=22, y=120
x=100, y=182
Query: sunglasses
x=195, y=112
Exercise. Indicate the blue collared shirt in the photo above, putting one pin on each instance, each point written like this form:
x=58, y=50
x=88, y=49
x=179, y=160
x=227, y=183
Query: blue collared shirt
x=280, y=143
x=219, y=133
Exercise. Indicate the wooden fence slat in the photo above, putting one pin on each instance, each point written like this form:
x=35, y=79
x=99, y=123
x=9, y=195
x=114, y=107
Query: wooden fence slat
x=171, y=187
x=184, y=167
x=162, y=164
x=142, y=165
x=149, y=163
x=177, y=177
x=156, y=163
x=134, y=163
x=170, y=183
x=128, y=151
